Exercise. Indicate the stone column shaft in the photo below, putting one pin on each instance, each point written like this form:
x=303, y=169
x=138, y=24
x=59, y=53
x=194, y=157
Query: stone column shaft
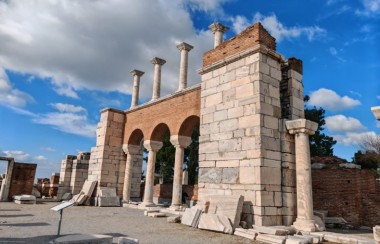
x=180, y=143
x=152, y=147
x=218, y=30
x=136, y=85
x=157, y=77
x=132, y=151
x=302, y=128
x=184, y=48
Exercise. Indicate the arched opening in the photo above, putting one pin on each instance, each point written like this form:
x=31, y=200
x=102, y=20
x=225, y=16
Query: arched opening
x=188, y=125
x=159, y=132
x=136, y=137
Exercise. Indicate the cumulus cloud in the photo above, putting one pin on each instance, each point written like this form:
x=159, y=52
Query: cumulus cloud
x=84, y=44
x=353, y=138
x=69, y=118
x=40, y=158
x=18, y=155
x=329, y=99
x=10, y=96
x=48, y=149
x=341, y=123
x=370, y=8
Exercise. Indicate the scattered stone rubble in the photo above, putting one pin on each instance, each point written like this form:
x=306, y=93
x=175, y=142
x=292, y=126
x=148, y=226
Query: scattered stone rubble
x=84, y=197
x=24, y=199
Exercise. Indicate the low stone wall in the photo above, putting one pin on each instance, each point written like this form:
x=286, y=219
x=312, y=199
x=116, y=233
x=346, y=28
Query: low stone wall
x=22, y=179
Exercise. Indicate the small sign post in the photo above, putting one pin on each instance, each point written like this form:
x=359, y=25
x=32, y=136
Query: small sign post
x=60, y=208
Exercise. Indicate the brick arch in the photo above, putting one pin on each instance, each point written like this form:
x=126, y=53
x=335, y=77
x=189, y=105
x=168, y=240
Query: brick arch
x=159, y=131
x=187, y=126
x=136, y=137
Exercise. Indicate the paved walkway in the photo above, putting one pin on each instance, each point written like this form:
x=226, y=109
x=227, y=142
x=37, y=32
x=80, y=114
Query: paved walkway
x=38, y=224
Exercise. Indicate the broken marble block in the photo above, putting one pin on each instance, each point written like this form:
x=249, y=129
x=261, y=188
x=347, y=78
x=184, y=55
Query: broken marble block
x=215, y=222
x=376, y=233
x=271, y=230
x=174, y=219
x=271, y=239
x=246, y=233
x=229, y=206
x=127, y=240
x=24, y=199
x=191, y=216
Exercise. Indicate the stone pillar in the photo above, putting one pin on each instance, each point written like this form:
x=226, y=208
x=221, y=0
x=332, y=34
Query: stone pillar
x=376, y=112
x=180, y=143
x=6, y=183
x=185, y=177
x=136, y=85
x=218, y=30
x=132, y=151
x=302, y=128
x=184, y=48
x=157, y=77
x=152, y=147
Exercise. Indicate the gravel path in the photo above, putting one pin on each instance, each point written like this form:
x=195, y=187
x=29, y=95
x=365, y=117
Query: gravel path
x=38, y=224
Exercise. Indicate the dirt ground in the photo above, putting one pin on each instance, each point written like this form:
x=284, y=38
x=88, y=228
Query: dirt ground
x=38, y=224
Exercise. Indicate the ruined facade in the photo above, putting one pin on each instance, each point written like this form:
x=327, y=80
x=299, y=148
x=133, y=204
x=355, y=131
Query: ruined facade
x=249, y=106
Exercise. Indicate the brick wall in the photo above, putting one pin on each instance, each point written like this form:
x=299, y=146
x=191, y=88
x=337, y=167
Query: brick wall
x=253, y=35
x=347, y=193
x=22, y=179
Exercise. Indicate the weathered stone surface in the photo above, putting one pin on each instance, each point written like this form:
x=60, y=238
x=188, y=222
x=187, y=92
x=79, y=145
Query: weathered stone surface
x=84, y=238
x=271, y=230
x=214, y=222
x=127, y=240
x=247, y=233
x=191, y=216
x=24, y=198
x=157, y=215
x=319, y=223
x=297, y=240
x=210, y=175
x=109, y=201
x=335, y=220
x=174, y=219
x=107, y=192
x=229, y=206
x=271, y=238
x=376, y=233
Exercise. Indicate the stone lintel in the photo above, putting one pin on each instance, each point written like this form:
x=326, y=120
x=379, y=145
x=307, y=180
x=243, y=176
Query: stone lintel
x=301, y=126
x=131, y=149
x=376, y=112
x=158, y=61
x=184, y=46
x=180, y=141
x=151, y=145
x=136, y=72
x=218, y=27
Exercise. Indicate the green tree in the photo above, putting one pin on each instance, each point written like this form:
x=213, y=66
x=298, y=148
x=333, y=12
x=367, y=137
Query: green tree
x=191, y=157
x=165, y=160
x=320, y=144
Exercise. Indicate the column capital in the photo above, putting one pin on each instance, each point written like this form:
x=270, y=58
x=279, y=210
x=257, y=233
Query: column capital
x=301, y=126
x=376, y=112
x=158, y=61
x=131, y=149
x=184, y=46
x=151, y=145
x=218, y=27
x=136, y=72
x=180, y=141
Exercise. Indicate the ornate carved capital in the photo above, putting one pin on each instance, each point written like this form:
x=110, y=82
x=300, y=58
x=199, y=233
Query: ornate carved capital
x=184, y=46
x=180, y=141
x=136, y=72
x=301, y=126
x=158, y=61
x=218, y=27
x=151, y=145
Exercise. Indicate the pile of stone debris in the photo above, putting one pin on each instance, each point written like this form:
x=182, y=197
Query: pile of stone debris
x=222, y=214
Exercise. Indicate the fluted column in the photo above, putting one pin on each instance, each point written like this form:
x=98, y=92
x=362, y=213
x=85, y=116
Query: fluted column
x=218, y=30
x=132, y=151
x=136, y=85
x=302, y=128
x=180, y=143
x=184, y=48
x=152, y=147
x=157, y=77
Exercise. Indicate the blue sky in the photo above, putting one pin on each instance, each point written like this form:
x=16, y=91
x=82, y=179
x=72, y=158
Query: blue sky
x=63, y=61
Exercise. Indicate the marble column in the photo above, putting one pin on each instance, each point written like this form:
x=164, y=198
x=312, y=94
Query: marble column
x=218, y=30
x=157, y=77
x=132, y=152
x=376, y=112
x=184, y=48
x=136, y=85
x=302, y=128
x=180, y=143
x=152, y=147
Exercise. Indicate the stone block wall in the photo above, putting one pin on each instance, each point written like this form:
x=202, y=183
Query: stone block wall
x=349, y=193
x=244, y=147
x=136, y=175
x=107, y=162
x=79, y=172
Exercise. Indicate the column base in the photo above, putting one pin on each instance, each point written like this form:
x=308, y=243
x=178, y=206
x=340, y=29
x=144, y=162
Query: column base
x=176, y=207
x=144, y=205
x=305, y=225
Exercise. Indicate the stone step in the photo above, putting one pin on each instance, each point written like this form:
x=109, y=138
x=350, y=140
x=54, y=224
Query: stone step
x=271, y=238
x=271, y=230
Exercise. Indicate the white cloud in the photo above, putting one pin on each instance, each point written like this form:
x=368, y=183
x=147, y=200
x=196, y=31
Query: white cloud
x=48, y=149
x=63, y=107
x=40, y=158
x=10, y=96
x=85, y=44
x=356, y=93
x=334, y=52
x=70, y=119
x=352, y=138
x=341, y=123
x=378, y=97
x=280, y=31
x=370, y=8
x=18, y=155
x=329, y=99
